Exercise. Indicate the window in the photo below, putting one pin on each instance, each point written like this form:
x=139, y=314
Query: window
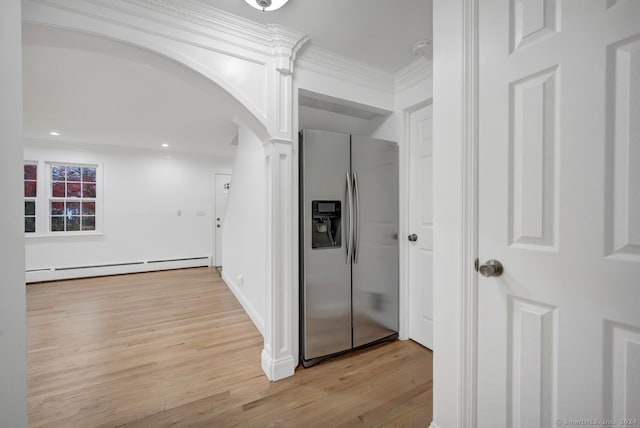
x=62, y=198
x=72, y=198
x=30, y=196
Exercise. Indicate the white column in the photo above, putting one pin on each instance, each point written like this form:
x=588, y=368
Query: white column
x=278, y=355
x=13, y=332
x=279, y=358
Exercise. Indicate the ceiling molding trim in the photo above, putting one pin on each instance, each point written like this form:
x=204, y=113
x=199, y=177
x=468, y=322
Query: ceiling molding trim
x=279, y=41
x=326, y=62
x=412, y=74
x=128, y=15
x=210, y=17
x=228, y=30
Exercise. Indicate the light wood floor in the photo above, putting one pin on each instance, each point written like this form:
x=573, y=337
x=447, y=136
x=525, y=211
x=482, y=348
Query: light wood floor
x=176, y=349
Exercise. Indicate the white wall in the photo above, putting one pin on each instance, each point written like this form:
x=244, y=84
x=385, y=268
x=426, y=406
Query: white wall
x=244, y=234
x=312, y=118
x=330, y=74
x=13, y=332
x=143, y=193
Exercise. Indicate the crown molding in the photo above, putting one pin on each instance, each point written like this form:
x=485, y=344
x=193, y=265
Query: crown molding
x=325, y=62
x=277, y=40
x=189, y=16
x=413, y=73
x=210, y=17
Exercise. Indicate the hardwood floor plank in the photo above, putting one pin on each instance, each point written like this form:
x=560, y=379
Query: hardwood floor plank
x=176, y=349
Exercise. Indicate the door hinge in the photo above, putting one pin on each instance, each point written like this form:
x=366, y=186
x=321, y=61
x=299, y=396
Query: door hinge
x=476, y=264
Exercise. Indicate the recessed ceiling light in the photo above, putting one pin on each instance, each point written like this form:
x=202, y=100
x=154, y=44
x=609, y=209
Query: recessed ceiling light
x=54, y=133
x=165, y=145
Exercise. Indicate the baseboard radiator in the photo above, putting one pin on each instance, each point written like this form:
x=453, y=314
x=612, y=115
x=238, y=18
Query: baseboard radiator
x=87, y=271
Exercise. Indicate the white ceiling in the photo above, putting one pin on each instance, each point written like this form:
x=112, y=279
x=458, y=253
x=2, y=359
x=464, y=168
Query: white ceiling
x=377, y=32
x=94, y=90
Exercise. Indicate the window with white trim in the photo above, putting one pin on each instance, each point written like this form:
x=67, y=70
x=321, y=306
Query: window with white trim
x=72, y=197
x=30, y=196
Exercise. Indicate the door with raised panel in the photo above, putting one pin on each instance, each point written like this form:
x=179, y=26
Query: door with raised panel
x=421, y=226
x=559, y=206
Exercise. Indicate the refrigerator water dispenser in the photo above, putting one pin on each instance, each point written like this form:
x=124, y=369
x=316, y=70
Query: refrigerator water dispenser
x=325, y=224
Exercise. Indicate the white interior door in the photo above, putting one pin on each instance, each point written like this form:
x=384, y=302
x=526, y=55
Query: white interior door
x=559, y=206
x=222, y=188
x=421, y=225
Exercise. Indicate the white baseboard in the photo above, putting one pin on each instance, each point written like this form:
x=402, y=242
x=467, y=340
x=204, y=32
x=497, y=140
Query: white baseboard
x=433, y=425
x=278, y=369
x=246, y=304
x=55, y=274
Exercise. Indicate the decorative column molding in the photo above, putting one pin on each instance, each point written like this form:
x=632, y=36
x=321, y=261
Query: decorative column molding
x=278, y=355
x=285, y=44
x=278, y=360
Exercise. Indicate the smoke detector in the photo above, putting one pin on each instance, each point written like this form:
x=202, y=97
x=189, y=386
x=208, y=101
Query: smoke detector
x=422, y=47
x=266, y=5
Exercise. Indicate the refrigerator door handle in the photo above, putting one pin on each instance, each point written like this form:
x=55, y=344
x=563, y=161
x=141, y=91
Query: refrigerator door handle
x=356, y=215
x=349, y=232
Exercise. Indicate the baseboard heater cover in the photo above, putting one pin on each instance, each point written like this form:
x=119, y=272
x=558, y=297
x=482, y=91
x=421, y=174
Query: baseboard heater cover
x=178, y=260
x=99, y=266
x=185, y=259
x=70, y=272
x=39, y=270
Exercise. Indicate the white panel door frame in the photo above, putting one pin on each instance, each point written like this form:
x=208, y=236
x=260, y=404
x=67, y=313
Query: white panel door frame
x=216, y=257
x=455, y=191
x=469, y=216
x=413, y=298
x=404, y=217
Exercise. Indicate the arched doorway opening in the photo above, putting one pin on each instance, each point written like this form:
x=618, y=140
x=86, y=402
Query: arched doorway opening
x=118, y=76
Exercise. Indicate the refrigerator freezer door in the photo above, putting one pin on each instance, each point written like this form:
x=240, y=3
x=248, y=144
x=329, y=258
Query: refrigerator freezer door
x=326, y=290
x=375, y=267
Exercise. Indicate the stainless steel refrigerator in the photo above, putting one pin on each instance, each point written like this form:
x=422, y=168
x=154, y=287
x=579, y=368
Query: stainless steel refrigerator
x=348, y=243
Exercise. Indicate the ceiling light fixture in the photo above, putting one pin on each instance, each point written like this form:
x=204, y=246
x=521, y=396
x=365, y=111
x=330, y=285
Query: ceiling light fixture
x=54, y=133
x=165, y=145
x=266, y=5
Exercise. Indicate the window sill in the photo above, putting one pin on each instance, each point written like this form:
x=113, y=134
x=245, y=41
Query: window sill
x=61, y=235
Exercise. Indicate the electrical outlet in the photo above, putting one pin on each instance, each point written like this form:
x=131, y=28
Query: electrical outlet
x=179, y=213
x=239, y=281
x=200, y=213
